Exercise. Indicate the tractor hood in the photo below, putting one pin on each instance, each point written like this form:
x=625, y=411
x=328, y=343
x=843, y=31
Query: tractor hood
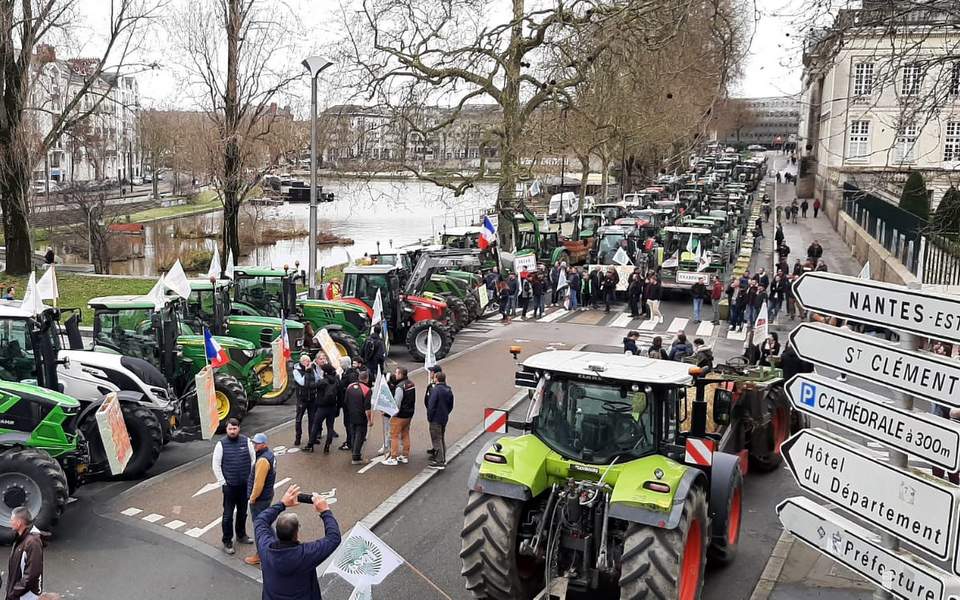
x=225, y=342
x=431, y=303
x=20, y=390
x=330, y=304
x=271, y=322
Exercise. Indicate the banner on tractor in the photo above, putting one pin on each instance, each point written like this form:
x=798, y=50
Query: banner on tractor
x=330, y=349
x=207, y=402
x=113, y=434
x=278, y=351
x=484, y=298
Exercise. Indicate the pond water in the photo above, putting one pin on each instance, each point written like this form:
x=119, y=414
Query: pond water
x=391, y=212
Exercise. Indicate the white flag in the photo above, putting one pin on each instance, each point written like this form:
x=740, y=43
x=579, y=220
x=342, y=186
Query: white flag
x=377, y=310
x=228, y=272
x=672, y=262
x=214, y=270
x=158, y=294
x=621, y=257
x=691, y=246
x=561, y=279
x=865, y=271
x=31, y=298
x=363, y=559
x=761, y=326
x=361, y=592
x=382, y=399
x=176, y=281
x=47, y=286
x=430, y=359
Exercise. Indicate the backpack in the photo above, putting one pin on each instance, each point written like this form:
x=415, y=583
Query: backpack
x=369, y=351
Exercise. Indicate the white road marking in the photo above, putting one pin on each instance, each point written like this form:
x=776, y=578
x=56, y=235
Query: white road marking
x=705, y=329
x=648, y=325
x=279, y=449
x=293, y=450
x=197, y=532
x=153, y=518
x=373, y=462
x=207, y=488
x=174, y=525
x=131, y=512
x=677, y=325
x=622, y=320
x=281, y=482
x=737, y=335
x=553, y=316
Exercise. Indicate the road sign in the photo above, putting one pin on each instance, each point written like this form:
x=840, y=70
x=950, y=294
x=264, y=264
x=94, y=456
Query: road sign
x=932, y=439
x=494, y=420
x=907, y=505
x=925, y=375
x=894, y=306
x=900, y=573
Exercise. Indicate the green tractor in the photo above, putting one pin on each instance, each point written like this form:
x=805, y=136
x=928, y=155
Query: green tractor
x=41, y=454
x=608, y=494
x=209, y=305
x=130, y=326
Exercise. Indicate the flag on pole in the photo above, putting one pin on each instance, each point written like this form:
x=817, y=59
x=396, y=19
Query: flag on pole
x=228, y=272
x=691, y=245
x=176, y=281
x=157, y=294
x=377, y=310
x=488, y=234
x=865, y=271
x=430, y=359
x=621, y=257
x=47, y=286
x=761, y=326
x=382, y=399
x=561, y=279
x=535, y=188
x=363, y=559
x=286, y=340
x=215, y=269
x=215, y=352
x=31, y=298
x=672, y=262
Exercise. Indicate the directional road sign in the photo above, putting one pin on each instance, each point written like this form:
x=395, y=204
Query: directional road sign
x=925, y=375
x=885, y=304
x=934, y=440
x=900, y=573
x=917, y=509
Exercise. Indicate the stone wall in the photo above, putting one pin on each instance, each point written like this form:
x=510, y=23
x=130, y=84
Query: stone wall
x=884, y=266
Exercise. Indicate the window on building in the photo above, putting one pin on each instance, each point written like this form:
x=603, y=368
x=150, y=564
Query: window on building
x=955, y=79
x=951, y=142
x=858, y=139
x=906, y=141
x=863, y=79
x=911, y=79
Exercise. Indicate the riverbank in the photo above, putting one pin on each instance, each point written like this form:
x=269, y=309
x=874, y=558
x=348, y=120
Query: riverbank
x=204, y=202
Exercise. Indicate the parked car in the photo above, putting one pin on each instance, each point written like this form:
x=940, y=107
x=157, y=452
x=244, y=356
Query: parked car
x=756, y=148
x=40, y=186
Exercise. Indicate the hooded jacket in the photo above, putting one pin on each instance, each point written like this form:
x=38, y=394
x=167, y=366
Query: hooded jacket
x=290, y=568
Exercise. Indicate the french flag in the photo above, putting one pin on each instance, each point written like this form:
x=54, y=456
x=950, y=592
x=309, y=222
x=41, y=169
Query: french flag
x=287, y=353
x=488, y=234
x=215, y=353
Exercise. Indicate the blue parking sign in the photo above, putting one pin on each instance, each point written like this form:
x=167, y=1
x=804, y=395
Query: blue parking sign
x=808, y=393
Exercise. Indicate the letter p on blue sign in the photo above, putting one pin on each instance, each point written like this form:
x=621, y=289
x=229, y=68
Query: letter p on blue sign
x=808, y=393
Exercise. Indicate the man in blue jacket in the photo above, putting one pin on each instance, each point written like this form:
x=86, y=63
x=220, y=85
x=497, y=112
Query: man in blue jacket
x=439, y=407
x=290, y=567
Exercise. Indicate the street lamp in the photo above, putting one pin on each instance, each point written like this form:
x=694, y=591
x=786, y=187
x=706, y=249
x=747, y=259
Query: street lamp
x=314, y=65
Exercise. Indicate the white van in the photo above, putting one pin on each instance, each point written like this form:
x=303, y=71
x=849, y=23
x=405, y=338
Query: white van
x=568, y=200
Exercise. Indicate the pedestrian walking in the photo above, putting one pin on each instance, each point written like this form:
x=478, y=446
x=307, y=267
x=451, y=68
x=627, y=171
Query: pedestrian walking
x=794, y=210
x=766, y=212
x=656, y=349
x=698, y=291
x=778, y=235
x=778, y=177
x=630, y=343
x=783, y=251
x=503, y=298
x=731, y=293
x=758, y=227
x=373, y=352
x=25, y=565
x=634, y=293
x=289, y=567
x=803, y=208
x=610, y=282
x=405, y=395
x=716, y=294
x=596, y=287
x=357, y=404
x=305, y=377
x=814, y=252
x=328, y=387
x=758, y=302
x=761, y=277
x=233, y=458
x=526, y=293
x=439, y=407
x=777, y=295
x=816, y=207
x=351, y=371
x=260, y=484
x=779, y=214
x=751, y=303
x=574, y=283
x=653, y=293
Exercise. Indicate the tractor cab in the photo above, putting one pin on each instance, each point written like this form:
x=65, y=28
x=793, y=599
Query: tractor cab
x=613, y=237
x=610, y=212
x=397, y=258
x=462, y=238
x=29, y=345
x=264, y=291
x=689, y=253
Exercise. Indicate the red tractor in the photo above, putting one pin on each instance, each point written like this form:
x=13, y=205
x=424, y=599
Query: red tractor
x=410, y=319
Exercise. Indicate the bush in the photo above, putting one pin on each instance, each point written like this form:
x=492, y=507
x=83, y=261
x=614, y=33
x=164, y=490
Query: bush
x=914, y=198
x=947, y=217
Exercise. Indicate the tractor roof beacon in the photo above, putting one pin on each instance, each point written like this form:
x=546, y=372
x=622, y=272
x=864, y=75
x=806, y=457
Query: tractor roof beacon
x=619, y=484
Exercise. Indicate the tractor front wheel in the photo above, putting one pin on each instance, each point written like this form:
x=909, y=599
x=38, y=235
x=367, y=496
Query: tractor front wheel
x=418, y=335
x=275, y=397
x=231, y=399
x=765, y=440
x=31, y=478
x=488, y=550
x=146, y=440
x=473, y=307
x=667, y=563
x=723, y=546
x=345, y=343
x=460, y=317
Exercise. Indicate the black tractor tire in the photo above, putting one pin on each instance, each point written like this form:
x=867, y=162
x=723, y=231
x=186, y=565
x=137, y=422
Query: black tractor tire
x=654, y=563
x=281, y=396
x=723, y=548
x=473, y=306
x=765, y=440
x=417, y=339
x=488, y=550
x=32, y=478
x=459, y=316
x=146, y=439
x=345, y=342
x=230, y=391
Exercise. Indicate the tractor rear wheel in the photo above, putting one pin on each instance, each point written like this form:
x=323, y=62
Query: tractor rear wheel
x=231, y=399
x=488, y=550
x=667, y=563
x=417, y=340
x=723, y=546
x=275, y=397
x=765, y=441
x=31, y=478
x=473, y=306
x=146, y=440
x=460, y=316
x=345, y=344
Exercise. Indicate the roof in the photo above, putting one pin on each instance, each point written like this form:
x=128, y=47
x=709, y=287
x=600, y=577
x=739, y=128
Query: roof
x=260, y=272
x=696, y=230
x=124, y=301
x=462, y=231
x=375, y=269
x=621, y=229
x=10, y=309
x=617, y=367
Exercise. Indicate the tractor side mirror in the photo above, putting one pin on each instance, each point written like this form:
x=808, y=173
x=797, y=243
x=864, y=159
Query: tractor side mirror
x=722, y=404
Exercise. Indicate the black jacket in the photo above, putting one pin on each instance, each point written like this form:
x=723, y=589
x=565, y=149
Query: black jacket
x=408, y=405
x=698, y=290
x=327, y=391
x=653, y=291
x=440, y=404
x=27, y=549
x=630, y=345
x=349, y=376
x=357, y=403
x=307, y=391
x=373, y=354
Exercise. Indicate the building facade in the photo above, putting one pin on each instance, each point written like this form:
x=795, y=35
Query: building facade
x=770, y=121
x=881, y=98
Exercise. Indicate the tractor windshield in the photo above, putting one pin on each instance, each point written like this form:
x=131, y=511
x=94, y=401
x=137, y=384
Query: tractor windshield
x=128, y=331
x=594, y=423
x=16, y=350
x=264, y=294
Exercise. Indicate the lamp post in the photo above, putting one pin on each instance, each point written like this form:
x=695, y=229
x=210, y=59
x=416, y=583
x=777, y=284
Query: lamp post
x=314, y=65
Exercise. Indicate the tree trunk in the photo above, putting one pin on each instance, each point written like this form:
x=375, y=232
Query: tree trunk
x=231, y=152
x=153, y=176
x=14, y=191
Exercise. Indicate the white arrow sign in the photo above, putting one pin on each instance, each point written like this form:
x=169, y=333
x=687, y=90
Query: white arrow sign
x=206, y=488
x=926, y=375
x=894, y=306
x=910, y=506
x=900, y=573
x=927, y=437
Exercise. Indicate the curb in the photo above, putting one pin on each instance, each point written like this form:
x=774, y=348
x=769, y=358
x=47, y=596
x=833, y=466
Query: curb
x=771, y=572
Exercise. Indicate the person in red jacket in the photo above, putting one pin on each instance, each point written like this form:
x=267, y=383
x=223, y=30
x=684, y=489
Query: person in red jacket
x=716, y=293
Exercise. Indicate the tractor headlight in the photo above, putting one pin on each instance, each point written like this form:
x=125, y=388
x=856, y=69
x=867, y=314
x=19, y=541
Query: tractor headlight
x=249, y=353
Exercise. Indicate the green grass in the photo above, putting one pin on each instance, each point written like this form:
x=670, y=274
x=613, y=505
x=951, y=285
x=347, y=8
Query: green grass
x=76, y=290
x=206, y=201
